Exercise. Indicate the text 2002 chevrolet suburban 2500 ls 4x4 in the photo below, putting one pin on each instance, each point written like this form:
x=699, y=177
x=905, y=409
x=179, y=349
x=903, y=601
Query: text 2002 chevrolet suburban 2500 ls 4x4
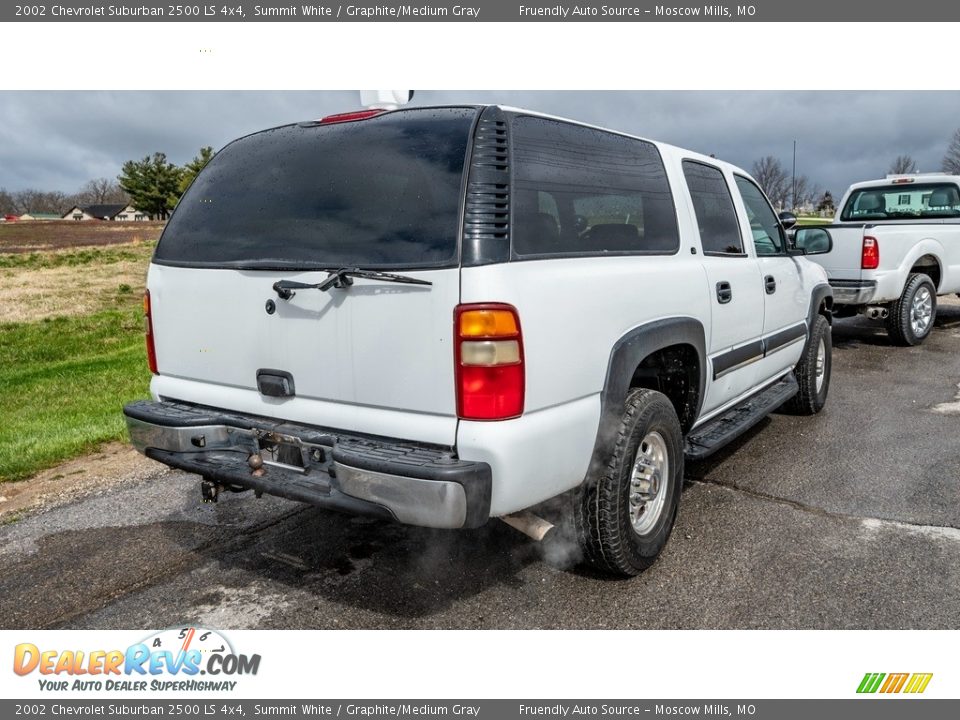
x=896, y=246
x=443, y=315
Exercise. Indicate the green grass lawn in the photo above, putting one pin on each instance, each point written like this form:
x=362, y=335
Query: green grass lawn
x=63, y=382
x=807, y=221
x=75, y=258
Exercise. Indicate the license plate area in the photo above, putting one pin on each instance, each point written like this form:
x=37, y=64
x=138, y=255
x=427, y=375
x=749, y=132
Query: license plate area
x=283, y=451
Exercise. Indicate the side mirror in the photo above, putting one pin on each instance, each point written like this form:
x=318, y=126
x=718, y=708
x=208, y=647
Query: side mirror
x=813, y=241
x=787, y=219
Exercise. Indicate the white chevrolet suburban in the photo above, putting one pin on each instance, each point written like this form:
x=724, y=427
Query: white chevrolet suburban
x=896, y=246
x=443, y=315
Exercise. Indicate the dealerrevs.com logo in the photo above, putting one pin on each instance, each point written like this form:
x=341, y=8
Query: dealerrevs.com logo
x=172, y=659
x=890, y=683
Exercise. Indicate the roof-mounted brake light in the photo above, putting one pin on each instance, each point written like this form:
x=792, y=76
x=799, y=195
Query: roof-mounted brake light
x=351, y=116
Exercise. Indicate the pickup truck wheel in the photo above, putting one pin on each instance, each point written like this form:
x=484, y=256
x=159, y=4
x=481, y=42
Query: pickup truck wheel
x=911, y=317
x=624, y=518
x=813, y=371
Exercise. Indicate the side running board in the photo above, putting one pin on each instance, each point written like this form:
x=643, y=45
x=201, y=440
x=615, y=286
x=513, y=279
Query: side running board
x=706, y=440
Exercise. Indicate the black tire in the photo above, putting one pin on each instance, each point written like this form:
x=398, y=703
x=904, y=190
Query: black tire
x=605, y=532
x=810, y=400
x=899, y=327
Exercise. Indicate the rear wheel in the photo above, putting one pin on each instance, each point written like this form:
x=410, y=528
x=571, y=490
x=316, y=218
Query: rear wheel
x=911, y=317
x=625, y=517
x=813, y=371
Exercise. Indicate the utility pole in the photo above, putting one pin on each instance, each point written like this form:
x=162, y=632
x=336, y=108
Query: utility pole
x=793, y=192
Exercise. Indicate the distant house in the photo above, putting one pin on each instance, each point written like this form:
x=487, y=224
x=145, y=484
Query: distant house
x=115, y=213
x=39, y=216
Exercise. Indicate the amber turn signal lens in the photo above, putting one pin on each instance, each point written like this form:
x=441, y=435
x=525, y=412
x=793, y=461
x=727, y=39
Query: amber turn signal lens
x=488, y=323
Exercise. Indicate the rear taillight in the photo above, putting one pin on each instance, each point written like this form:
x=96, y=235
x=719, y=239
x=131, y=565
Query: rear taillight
x=489, y=359
x=350, y=116
x=151, y=348
x=870, y=256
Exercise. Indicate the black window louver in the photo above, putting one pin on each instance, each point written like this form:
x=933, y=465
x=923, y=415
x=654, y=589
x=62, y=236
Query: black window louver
x=486, y=222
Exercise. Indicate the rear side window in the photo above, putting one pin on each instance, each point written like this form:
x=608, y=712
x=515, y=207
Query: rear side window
x=378, y=193
x=580, y=191
x=713, y=206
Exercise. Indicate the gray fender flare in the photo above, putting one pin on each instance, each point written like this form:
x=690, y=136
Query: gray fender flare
x=819, y=293
x=626, y=355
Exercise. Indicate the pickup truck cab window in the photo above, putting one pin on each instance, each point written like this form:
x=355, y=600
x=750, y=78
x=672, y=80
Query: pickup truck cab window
x=713, y=207
x=768, y=238
x=582, y=191
x=902, y=201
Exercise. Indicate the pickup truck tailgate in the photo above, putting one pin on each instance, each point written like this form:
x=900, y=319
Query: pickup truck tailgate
x=844, y=260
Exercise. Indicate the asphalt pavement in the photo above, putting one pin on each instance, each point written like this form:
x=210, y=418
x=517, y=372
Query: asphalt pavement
x=850, y=519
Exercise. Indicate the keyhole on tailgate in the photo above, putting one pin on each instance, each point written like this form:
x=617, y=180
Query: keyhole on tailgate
x=271, y=307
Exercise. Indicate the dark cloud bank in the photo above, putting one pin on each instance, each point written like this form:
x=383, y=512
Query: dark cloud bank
x=59, y=140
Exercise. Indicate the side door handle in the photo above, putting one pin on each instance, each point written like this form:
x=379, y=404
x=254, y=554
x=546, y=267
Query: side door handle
x=770, y=284
x=724, y=292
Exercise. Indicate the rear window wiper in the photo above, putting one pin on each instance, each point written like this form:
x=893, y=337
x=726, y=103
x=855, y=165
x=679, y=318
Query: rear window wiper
x=342, y=278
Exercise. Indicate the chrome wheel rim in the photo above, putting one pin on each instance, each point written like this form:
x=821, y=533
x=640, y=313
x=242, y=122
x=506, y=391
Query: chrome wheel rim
x=821, y=365
x=648, y=479
x=921, y=311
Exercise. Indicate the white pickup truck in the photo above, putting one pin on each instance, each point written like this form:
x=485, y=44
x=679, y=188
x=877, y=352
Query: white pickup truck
x=443, y=315
x=896, y=247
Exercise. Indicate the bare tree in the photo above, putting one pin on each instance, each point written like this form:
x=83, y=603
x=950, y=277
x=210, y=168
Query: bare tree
x=951, y=161
x=102, y=191
x=7, y=204
x=30, y=200
x=902, y=165
x=773, y=179
x=804, y=191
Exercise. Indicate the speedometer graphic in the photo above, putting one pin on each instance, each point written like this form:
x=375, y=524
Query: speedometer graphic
x=183, y=639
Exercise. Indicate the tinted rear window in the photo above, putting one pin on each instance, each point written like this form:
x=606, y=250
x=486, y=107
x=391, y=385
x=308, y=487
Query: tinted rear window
x=581, y=191
x=903, y=201
x=377, y=193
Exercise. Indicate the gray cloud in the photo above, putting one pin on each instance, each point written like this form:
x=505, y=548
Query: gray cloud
x=59, y=140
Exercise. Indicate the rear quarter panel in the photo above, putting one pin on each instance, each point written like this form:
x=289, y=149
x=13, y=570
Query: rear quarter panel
x=901, y=246
x=572, y=312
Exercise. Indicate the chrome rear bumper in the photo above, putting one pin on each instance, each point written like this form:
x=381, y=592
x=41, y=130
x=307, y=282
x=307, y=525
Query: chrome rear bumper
x=853, y=292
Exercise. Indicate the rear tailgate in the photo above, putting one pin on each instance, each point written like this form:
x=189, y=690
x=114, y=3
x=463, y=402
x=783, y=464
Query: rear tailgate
x=288, y=204
x=844, y=260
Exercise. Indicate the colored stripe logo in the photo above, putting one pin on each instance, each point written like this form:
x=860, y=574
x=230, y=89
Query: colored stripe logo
x=913, y=683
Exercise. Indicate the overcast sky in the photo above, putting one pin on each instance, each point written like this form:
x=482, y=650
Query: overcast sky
x=59, y=140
